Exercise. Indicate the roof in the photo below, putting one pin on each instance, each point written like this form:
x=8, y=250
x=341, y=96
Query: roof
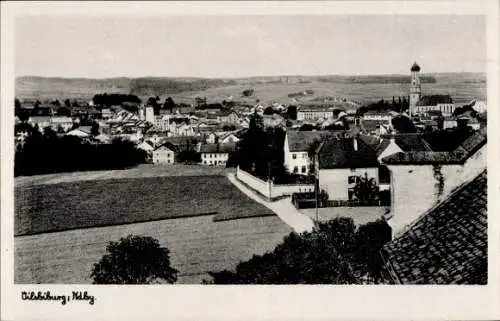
x=217, y=148
x=378, y=112
x=372, y=125
x=446, y=245
x=415, y=67
x=458, y=156
x=299, y=141
x=163, y=146
x=434, y=100
x=342, y=152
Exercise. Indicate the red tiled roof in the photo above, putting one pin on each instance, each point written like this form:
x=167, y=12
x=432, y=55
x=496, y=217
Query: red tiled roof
x=447, y=245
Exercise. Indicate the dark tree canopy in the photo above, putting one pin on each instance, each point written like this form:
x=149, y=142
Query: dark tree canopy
x=134, y=260
x=291, y=112
x=248, y=92
x=333, y=253
x=403, y=124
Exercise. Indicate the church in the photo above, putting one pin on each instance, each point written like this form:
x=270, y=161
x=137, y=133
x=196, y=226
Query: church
x=423, y=104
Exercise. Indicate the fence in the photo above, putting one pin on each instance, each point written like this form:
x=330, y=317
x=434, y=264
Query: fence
x=311, y=203
x=270, y=190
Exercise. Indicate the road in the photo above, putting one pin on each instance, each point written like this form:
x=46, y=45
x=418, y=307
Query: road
x=283, y=208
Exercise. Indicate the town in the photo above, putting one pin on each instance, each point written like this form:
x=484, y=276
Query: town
x=413, y=165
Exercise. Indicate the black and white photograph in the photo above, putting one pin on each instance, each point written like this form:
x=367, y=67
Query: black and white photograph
x=249, y=149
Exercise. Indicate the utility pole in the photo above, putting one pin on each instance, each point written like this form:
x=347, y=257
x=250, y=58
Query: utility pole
x=316, y=180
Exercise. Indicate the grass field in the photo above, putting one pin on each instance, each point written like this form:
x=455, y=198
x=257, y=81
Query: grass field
x=80, y=204
x=141, y=171
x=197, y=245
x=461, y=86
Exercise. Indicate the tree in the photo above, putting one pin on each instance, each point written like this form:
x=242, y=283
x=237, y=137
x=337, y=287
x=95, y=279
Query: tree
x=134, y=260
x=365, y=188
x=67, y=102
x=403, y=124
x=17, y=107
x=64, y=111
x=248, y=92
x=335, y=252
x=94, y=130
x=269, y=111
x=291, y=112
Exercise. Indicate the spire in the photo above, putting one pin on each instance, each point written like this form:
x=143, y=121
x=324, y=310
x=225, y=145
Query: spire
x=415, y=67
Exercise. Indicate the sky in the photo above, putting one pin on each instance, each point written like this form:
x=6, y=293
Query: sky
x=243, y=46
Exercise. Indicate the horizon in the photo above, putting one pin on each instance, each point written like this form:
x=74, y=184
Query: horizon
x=254, y=76
x=232, y=47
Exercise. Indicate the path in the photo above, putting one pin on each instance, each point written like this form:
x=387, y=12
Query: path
x=283, y=208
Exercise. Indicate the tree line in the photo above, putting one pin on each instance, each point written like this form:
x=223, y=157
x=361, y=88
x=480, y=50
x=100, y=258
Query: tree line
x=46, y=152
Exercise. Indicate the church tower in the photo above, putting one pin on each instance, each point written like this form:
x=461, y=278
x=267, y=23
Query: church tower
x=415, y=89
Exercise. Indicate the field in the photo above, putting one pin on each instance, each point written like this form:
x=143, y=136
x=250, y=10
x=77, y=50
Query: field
x=93, y=203
x=197, y=245
x=461, y=86
x=68, y=202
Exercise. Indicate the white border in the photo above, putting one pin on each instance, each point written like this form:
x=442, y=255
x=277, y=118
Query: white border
x=254, y=302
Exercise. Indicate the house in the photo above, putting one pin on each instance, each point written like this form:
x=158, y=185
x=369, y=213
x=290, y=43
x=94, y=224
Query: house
x=61, y=122
x=273, y=120
x=228, y=117
x=40, y=121
x=341, y=162
x=106, y=113
x=442, y=103
x=378, y=115
x=420, y=179
x=314, y=114
x=375, y=127
x=479, y=106
x=228, y=138
x=447, y=244
x=296, y=149
x=216, y=154
x=396, y=143
x=449, y=122
x=163, y=155
x=82, y=132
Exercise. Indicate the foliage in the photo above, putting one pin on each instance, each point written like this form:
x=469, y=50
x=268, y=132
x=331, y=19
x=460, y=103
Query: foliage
x=291, y=112
x=134, y=260
x=64, y=111
x=247, y=92
x=365, y=188
x=403, y=124
x=94, y=131
x=107, y=100
x=333, y=253
x=48, y=153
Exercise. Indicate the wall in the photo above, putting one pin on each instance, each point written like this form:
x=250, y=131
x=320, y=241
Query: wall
x=416, y=189
x=270, y=190
x=335, y=181
x=282, y=190
x=256, y=183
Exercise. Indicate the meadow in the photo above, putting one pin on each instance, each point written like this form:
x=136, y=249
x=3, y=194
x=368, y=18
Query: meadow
x=55, y=207
x=197, y=245
x=461, y=86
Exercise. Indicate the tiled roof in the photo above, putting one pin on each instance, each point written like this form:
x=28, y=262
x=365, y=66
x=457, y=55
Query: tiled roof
x=447, y=245
x=299, y=141
x=343, y=153
x=217, y=148
x=372, y=125
x=470, y=146
x=434, y=100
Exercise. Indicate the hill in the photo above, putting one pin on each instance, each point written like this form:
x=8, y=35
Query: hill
x=461, y=86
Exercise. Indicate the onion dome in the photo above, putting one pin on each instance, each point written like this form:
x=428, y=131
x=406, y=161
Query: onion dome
x=415, y=67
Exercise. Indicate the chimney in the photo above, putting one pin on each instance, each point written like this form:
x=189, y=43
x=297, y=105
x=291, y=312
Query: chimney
x=355, y=144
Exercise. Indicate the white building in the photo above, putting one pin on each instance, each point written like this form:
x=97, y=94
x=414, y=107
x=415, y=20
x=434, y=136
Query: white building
x=163, y=155
x=419, y=180
x=479, y=106
x=314, y=114
x=378, y=115
x=216, y=154
x=149, y=114
x=341, y=162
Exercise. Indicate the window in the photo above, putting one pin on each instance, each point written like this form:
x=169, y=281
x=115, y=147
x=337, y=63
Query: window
x=294, y=156
x=352, y=179
x=295, y=169
x=303, y=169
